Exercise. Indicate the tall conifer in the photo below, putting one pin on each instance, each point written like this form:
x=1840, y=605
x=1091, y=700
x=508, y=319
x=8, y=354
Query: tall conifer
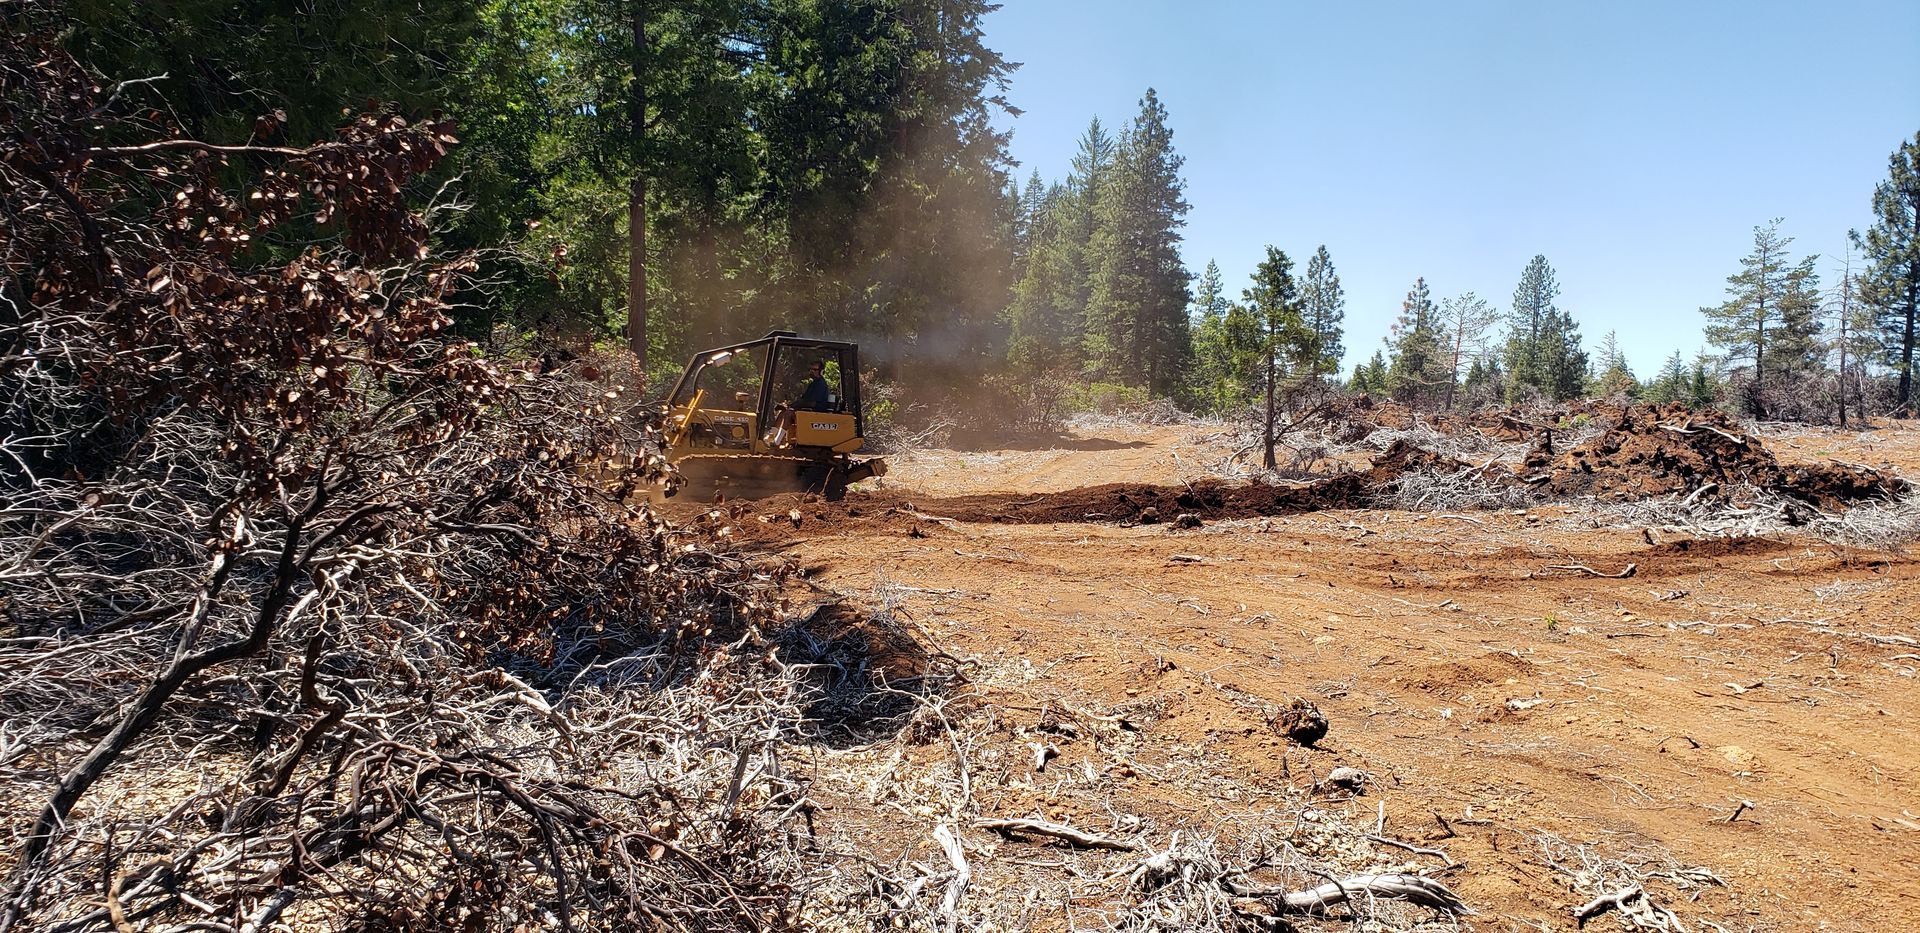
x=1768, y=319
x=1323, y=304
x=1892, y=280
x=1136, y=320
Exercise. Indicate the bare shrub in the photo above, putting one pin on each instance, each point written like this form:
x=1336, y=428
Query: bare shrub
x=1804, y=396
x=1014, y=405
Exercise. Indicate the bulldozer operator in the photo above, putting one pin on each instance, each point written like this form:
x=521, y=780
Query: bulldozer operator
x=814, y=396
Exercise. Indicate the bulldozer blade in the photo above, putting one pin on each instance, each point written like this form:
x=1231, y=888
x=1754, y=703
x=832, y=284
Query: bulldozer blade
x=865, y=469
x=710, y=479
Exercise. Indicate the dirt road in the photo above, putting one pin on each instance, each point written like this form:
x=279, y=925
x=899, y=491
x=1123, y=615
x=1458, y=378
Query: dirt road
x=1529, y=692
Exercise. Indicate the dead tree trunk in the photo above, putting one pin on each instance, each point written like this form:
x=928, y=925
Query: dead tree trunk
x=1267, y=461
x=1846, y=311
x=637, y=199
x=1906, y=337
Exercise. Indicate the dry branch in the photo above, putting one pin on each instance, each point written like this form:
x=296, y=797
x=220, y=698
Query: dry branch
x=1635, y=906
x=1059, y=831
x=1414, y=889
x=962, y=874
x=1625, y=572
x=1410, y=847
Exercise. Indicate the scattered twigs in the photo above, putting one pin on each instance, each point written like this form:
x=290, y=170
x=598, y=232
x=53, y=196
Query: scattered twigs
x=1878, y=525
x=1472, y=488
x=1619, y=883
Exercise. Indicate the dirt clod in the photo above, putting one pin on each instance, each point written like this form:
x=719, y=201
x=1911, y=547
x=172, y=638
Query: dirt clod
x=1302, y=723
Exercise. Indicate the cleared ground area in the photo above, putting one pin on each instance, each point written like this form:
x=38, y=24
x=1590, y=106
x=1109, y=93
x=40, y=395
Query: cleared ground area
x=1549, y=704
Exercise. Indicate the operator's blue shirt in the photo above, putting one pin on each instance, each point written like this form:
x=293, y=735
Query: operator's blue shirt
x=814, y=396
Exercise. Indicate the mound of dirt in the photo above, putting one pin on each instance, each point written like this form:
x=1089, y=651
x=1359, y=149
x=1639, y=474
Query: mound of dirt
x=1510, y=424
x=1451, y=677
x=1131, y=503
x=1661, y=450
x=785, y=517
x=1526, y=422
x=1648, y=451
x=795, y=516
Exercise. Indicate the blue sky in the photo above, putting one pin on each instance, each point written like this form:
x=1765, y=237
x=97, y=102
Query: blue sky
x=1636, y=145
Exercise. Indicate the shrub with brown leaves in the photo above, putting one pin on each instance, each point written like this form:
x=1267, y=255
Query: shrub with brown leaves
x=262, y=520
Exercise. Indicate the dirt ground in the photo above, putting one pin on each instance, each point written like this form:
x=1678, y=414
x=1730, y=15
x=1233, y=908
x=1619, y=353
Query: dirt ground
x=1742, y=707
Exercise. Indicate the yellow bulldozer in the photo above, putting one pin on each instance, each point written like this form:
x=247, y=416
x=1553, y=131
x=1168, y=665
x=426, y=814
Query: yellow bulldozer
x=774, y=415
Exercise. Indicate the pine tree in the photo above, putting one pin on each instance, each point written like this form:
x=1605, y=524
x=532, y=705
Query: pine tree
x=646, y=121
x=1215, y=386
x=1042, y=319
x=1034, y=197
x=1484, y=373
x=1567, y=362
x=1530, y=325
x=1891, y=283
x=1289, y=350
x=1671, y=384
x=1244, y=337
x=1704, y=388
x=1324, y=306
x=1092, y=161
x=1030, y=205
x=1048, y=314
x=1136, y=320
x=1418, y=369
x=1465, y=323
x=1377, y=372
x=932, y=273
x=1769, y=316
x=1543, y=343
x=1613, y=376
x=1087, y=181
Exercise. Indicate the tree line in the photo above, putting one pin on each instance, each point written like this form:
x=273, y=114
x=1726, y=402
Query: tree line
x=666, y=173
x=1788, y=348
x=673, y=174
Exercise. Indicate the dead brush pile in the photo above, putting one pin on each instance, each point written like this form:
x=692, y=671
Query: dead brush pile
x=302, y=625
